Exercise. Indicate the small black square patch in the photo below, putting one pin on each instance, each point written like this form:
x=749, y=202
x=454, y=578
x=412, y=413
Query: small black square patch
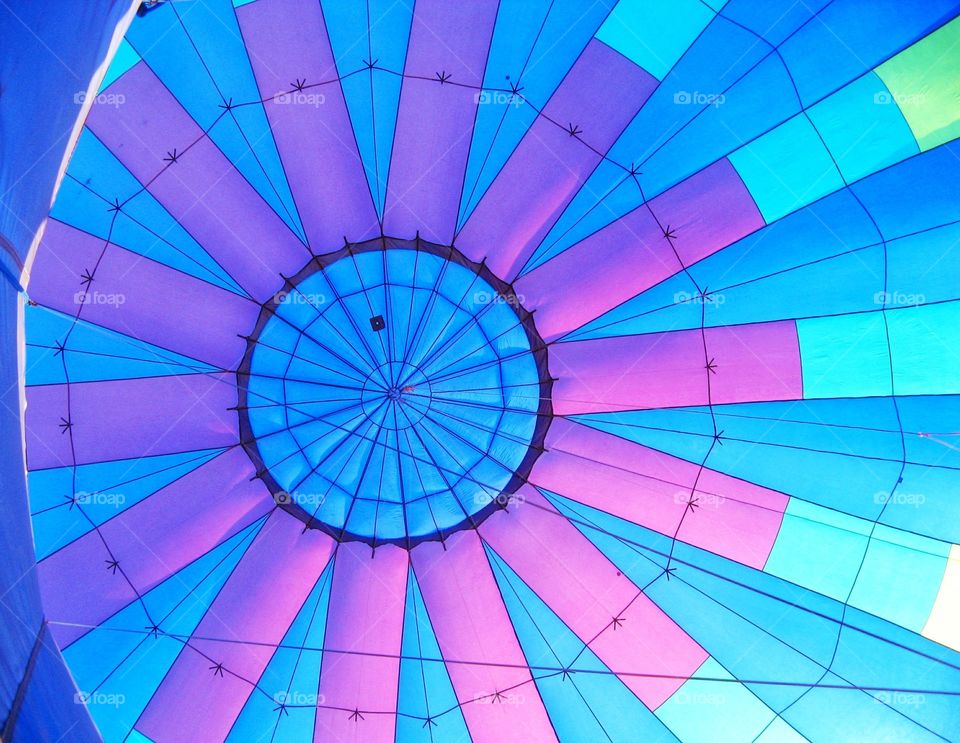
x=377, y=323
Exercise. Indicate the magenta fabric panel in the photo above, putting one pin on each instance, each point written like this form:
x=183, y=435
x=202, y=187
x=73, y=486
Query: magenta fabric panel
x=435, y=121
x=734, y=518
x=129, y=418
x=755, y=362
x=258, y=602
x=311, y=126
x=365, y=618
x=746, y=363
x=471, y=624
x=598, y=96
x=707, y=212
x=704, y=213
x=151, y=541
x=629, y=373
x=139, y=297
x=202, y=189
x=623, y=627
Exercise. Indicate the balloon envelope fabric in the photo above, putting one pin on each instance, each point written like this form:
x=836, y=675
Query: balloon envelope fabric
x=513, y=370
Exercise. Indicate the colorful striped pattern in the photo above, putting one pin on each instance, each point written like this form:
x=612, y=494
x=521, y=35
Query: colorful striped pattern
x=736, y=227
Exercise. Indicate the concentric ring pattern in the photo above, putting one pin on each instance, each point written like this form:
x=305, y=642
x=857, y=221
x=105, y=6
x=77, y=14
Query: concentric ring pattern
x=709, y=493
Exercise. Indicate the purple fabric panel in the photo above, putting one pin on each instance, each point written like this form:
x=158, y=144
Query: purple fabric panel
x=658, y=370
x=258, y=602
x=152, y=302
x=435, y=121
x=707, y=212
x=151, y=540
x=599, y=96
x=130, y=418
x=597, y=274
x=755, y=362
x=585, y=590
x=202, y=190
x=366, y=615
x=472, y=624
x=736, y=519
x=312, y=128
x=46, y=444
x=629, y=373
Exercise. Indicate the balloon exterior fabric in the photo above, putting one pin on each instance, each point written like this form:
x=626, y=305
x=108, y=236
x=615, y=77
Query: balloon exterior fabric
x=49, y=56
